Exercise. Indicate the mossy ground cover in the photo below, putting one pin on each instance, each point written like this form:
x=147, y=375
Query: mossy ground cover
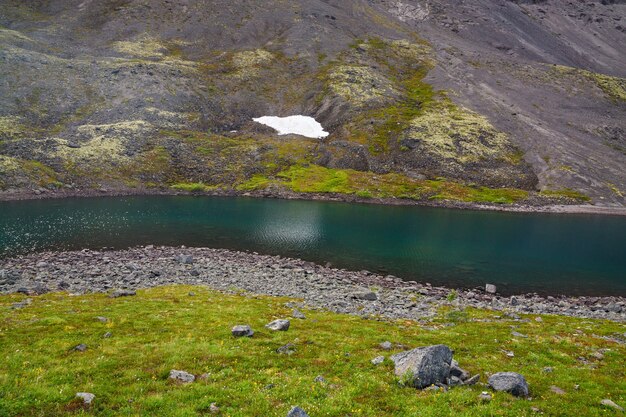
x=318, y=179
x=165, y=328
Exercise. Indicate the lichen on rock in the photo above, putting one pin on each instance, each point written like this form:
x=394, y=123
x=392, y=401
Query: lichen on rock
x=456, y=133
x=248, y=63
x=361, y=85
x=12, y=127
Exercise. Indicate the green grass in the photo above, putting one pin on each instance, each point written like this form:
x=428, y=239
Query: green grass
x=567, y=193
x=317, y=179
x=165, y=328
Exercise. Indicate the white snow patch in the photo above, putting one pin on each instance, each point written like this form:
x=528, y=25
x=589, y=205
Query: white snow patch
x=298, y=125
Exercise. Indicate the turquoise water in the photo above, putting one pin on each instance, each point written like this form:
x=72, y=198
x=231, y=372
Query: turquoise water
x=546, y=253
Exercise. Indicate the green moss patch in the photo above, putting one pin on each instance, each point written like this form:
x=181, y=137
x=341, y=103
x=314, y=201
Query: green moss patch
x=318, y=179
x=567, y=193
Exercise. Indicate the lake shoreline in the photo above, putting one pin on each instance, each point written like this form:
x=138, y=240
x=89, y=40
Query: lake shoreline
x=321, y=287
x=24, y=195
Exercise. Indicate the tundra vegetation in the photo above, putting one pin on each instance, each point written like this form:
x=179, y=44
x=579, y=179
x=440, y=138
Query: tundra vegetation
x=132, y=344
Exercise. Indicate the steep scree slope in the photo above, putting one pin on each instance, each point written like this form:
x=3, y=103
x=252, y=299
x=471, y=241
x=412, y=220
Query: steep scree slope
x=495, y=101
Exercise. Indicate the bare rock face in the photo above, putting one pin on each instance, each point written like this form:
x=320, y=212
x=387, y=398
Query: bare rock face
x=510, y=382
x=424, y=366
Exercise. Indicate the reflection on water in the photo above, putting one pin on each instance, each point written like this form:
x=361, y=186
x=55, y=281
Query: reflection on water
x=296, y=226
x=518, y=252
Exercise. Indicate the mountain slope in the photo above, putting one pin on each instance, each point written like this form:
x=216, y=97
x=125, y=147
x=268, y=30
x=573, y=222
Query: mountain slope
x=475, y=101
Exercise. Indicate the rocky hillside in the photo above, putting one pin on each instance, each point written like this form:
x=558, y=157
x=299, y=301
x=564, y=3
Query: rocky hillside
x=490, y=101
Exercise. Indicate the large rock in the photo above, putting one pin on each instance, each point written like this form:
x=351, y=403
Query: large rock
x=242, y=331
x=510, y=382
x=424, y=366
x=297, y=412
x=279, y=325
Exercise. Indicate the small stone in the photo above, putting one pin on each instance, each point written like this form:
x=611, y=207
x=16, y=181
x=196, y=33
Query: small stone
x=365, y=295
x=510, y=382
x=518, y=334
x=279, y=325
x=538, y=319
x=386, y=345
x=557, y=390
x=287, y=349
x=598, y=355
x=320, y=379
x=87, y=397
x=102, y=319
x=454, y=381
x=378, y=360
x=182, y=376
x=490, y=289
x=485, y=396
x=457, y=371
x=608, y=403
x=473, y=380
x=242, y=331
x=297, y=314
x=297, y=412
x=122, y=293
x=213, y=408
x=21, y=304
x=548, y=369
x=185, y=259
x=191, y=294
x=80, y=348
x=514, y=301
x=107, y=335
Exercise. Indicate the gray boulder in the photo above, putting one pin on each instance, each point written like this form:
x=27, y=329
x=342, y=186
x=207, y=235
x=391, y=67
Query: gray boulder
x=242, y=331
x=423, y=366
x=182, y=376
x=279, y=325
x=490, y=288
x=297, y=412
x=510, y=382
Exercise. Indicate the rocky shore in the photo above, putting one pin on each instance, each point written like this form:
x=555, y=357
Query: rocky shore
x=361, y=293
x=528, y=206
